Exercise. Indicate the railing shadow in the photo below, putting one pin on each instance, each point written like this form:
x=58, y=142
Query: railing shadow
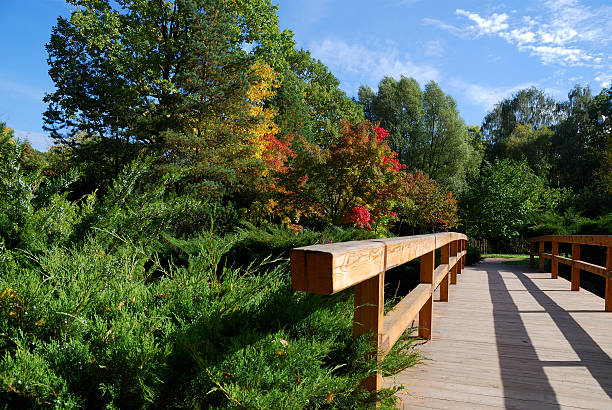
x=518, y=358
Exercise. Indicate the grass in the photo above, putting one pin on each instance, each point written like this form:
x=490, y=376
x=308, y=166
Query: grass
x=513, y=259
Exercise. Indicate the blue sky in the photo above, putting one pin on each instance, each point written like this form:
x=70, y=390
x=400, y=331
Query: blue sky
x=479, y=52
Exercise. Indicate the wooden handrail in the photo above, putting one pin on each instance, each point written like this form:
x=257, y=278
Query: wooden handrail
x=328, y=269
x=575, y=262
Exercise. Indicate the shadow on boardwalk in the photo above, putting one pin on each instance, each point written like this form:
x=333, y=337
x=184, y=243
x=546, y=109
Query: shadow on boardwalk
x=513, y=338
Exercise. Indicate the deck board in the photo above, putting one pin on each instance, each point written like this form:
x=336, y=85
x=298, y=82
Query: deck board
x=511, y=337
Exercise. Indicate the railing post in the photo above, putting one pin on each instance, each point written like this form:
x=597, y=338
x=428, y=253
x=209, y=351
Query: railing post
x=575, y=270
x=368, y=318
x=444, y=259
x=531, y=257
x=453, y=252
x=540, y=258
x=459, y=250
x=554, y=267
x=426, y=312
x=464, y=257
x=608, y=279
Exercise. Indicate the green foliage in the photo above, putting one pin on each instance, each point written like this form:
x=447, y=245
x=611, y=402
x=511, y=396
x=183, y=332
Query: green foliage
x=425, y=129
x=271, y=242
x=505, y=200
x=194, y=337
x=473, y=255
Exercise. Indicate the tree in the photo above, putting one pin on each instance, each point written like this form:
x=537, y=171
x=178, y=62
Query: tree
x=529, y=106
x=447, y=155
x=504, y=200
x=328, y=106
x=164, y=76
x=398, y=106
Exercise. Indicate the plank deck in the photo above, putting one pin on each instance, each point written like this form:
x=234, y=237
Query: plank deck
x=512, y=337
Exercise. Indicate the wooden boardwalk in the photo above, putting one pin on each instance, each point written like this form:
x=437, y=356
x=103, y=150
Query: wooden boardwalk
x=511, y=337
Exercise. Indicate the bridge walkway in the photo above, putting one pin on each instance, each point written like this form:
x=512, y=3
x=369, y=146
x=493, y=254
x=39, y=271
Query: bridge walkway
x=512, y=337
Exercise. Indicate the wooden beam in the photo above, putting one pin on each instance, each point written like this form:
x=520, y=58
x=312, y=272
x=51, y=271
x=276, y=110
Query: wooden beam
x=554, y=268
x=402, y=315
x=609, y=279
x=581, y=265
x=426, y=312
x=444, y=260
x=531, y=251
x=575, y=269
x=369, y=315
x=599, y=240
x=540, y=258
x=453, y=253
x=328, y=269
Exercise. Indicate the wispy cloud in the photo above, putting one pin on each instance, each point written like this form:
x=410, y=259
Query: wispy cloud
x=368, y=65
x=14, y=87
x=434, y=48
x=444, y=26
x=486, y=96
x=565, y=33
x=490, y=25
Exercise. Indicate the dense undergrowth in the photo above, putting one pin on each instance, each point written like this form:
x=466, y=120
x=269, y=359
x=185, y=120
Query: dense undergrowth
x=119, y=302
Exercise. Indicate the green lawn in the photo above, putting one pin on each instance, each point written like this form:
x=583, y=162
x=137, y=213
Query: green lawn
x=512, y=259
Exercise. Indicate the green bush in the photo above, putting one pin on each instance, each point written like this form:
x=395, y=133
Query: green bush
x=89, y=327
x=473, y=255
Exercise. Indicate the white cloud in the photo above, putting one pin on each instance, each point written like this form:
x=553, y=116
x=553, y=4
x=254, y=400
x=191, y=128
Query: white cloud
x=565, y=33
x=486, y=96
x=490, y=25
x=444, y=26
x=368, y=66
x=434, y=48
x=38, y=140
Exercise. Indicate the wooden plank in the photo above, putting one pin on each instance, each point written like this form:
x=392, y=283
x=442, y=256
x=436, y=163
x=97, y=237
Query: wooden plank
x=404, y=249
x=426, y=312
x=546, y=256
x=589, y=267
x=440, y=273
x=575, y=269
x=444, y=260
x=335, y=267
x=609, y=279
x=453, y=262
x=512, y=338
x=369, y=313
x=598, y=240
x=401, y=316
x=554, y=269
x=541, y=257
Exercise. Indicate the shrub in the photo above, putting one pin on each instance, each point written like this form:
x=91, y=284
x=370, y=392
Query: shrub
x=473, y=255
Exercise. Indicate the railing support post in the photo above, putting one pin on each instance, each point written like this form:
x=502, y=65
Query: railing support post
x=531, y=256
x=368, y=318
x=453, y=252
x=540, y=258
x=426, y=312
x=444, y=259
x=459, y=250
x=608, y=279
x=554, y=267
x=463, y=257
x=575, y=270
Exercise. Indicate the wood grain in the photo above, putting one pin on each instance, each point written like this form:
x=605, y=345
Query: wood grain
x=513, y=338
x=575, y=268
x=426, y=312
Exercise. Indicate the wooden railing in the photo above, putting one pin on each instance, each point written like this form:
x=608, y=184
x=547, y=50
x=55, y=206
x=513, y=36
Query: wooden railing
x=575, y=262
x=328, y=269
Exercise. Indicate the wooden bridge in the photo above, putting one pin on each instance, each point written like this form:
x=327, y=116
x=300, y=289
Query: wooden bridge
x=511, y=336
